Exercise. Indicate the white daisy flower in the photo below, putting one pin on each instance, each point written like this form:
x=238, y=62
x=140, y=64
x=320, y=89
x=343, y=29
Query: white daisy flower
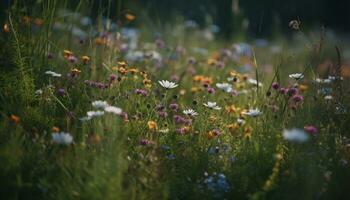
x=190, y=112
x=295, y=135
x=212, y=105
x=240, y=121
x=167, y=84
x=226, y=87
x=92, y=114
x=113, y=109
x=253, y=112
x=254, y=82
x=325, y=81
x=296, y=76
x=53, y=74
x=100, y=104
x=38, y=92
x=164, y=130
x=62, y=138
x=328, y=97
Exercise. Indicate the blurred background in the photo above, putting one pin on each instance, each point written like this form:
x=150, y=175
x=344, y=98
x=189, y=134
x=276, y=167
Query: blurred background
x=257, y=18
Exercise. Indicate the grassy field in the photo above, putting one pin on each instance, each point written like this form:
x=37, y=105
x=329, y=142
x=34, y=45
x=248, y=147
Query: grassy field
x=99, y=109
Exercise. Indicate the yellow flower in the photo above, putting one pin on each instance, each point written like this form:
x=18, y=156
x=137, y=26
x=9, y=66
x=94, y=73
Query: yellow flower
x=122, y=64
x=234, y=73
x=122, y=70
x=133, y=70
x=143, y=74
x=303, y=87
x=147, y=81
x=211, y=61
x=75, y=71
x=248, y=132
x=187, y=129
x=194, y=89
x=67, y=53
x=212, y=118
x=233, y=128
x=85, y=59
x=240, y=85
x=152, y=125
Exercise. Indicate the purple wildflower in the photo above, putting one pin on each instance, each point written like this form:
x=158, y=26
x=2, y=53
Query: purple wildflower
x=298, y=98
x=311, y=129
x=211, y=90
x=174, y=107
x=275, y=86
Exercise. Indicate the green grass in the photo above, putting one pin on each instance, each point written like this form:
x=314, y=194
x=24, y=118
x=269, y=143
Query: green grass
x=106, y=159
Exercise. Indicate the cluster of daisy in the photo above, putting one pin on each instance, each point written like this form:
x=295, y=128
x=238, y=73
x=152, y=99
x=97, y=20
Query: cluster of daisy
x=103, y=107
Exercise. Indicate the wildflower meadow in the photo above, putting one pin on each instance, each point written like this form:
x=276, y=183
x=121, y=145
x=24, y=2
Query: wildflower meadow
x=106, y=101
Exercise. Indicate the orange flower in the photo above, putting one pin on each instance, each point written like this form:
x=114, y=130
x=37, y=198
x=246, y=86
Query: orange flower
x=15, y=119
x=207, y=80
x=100, y=41
x=130, y=17
x=203, y=79
x=231, y=109
x=55, y=129
x=198, y=78
x=6, y=28
x=38, y=21
x=152, y=125
x=94, y=139
x=210, y=135
x=303, y=87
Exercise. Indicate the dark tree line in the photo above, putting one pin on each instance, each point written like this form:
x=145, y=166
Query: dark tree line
x=264, y=16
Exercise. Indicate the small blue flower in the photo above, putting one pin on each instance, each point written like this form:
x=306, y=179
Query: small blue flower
x=171, y=157
x=165, y=147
